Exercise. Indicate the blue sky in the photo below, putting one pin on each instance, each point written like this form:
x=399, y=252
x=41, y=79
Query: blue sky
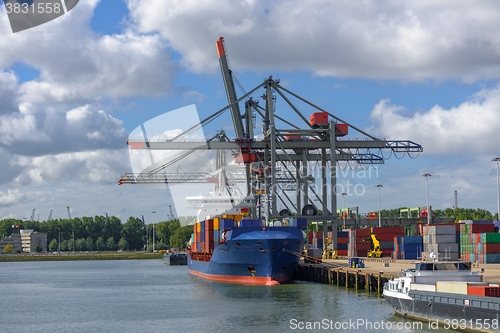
x=73, y=89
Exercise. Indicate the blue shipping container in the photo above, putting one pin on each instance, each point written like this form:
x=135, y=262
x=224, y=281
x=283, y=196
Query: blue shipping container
x=226, y=224
x=342, y=246
x=302, y=223
x=342, y=234
x=413, y=239
x=246, y=223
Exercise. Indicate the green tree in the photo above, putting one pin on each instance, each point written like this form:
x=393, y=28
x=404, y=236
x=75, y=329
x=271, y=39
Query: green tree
x=100, y=244
x=53, y=246
x=181, y=236
x=80, y=244
x=122, y=244
x=8, y=248
x=111, y=245
x=71, y=244
x=89, y=244
x=133, y=233
x=64, y=245
x=38, y=249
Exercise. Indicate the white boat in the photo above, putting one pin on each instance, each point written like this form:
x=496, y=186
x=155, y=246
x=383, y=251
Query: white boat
x=440, y=293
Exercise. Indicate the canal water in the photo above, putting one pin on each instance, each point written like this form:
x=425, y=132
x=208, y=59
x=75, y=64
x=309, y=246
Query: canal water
x=149, y=296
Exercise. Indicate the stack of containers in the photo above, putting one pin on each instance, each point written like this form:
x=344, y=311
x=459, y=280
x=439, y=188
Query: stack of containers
x=209, y=236
x=385, y=236
x=316, y=243
x=342, y=243
x=359, y=242
x=440, y=239
x=408, y=247
x=479, y=243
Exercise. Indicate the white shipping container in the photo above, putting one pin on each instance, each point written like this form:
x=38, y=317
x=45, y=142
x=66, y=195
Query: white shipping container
x=421, y=286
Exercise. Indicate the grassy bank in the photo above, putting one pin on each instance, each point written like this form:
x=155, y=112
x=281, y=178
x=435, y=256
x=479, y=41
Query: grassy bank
x=79, y=256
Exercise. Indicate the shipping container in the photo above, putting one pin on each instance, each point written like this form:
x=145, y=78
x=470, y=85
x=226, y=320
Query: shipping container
x=489, y=291
x=412, y=240
x=481, y=228
x=342, y=246
x=342, y=253
x=395, y=231
x=421, y=286
x=456, y=287
x=226, y=224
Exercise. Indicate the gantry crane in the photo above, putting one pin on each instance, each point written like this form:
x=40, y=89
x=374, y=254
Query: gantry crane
x=282, y=155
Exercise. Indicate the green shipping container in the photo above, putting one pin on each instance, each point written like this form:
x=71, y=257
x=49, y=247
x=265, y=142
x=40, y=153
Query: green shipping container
x=492, y=237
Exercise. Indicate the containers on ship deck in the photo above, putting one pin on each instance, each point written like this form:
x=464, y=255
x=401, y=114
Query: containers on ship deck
x=457, y=287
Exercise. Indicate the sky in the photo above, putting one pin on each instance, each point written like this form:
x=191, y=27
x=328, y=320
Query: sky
x=73, y=89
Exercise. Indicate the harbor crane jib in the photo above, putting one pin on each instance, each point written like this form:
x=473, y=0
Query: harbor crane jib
x=284, y=153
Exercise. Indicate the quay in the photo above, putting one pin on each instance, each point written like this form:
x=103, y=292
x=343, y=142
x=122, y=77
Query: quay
x=374, y=275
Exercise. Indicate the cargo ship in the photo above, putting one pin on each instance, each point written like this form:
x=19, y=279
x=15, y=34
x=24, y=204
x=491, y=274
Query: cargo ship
x=229, y=246
x=447, y=293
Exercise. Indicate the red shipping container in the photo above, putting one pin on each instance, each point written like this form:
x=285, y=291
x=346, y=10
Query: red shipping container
x=362, y=232
x=476, y=228
x=361, y=253
x=387, y=253
x=385, y=237
x=483, y=291
x=363, y=246
x=360, y=240
x=209, y=235
x=342, y=253
x=345, y=241
x=491, y=248
x=396, y=231
x=209, y=225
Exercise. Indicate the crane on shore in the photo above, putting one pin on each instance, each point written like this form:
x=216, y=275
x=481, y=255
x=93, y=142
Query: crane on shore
x=283, y=149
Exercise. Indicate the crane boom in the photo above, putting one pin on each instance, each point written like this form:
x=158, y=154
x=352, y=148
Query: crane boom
x=230, y=90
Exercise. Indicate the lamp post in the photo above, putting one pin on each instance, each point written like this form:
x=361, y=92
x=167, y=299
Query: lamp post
x=343, y=199
x=497, y=159
x=427, y=175
x=154, y=219
x=379, y=216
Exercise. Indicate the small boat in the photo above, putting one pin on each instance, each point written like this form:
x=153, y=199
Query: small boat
x=448, y=294
x=175, y=258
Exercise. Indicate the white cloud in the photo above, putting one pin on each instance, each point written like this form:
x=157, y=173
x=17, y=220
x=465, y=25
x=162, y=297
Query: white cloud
x=36, y=130
x=94, y=167
x=411, y=41
x=469, y=128
x=11, y=197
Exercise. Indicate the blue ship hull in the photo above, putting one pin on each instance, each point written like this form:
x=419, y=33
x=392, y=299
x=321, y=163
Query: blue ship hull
x=252, y=255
